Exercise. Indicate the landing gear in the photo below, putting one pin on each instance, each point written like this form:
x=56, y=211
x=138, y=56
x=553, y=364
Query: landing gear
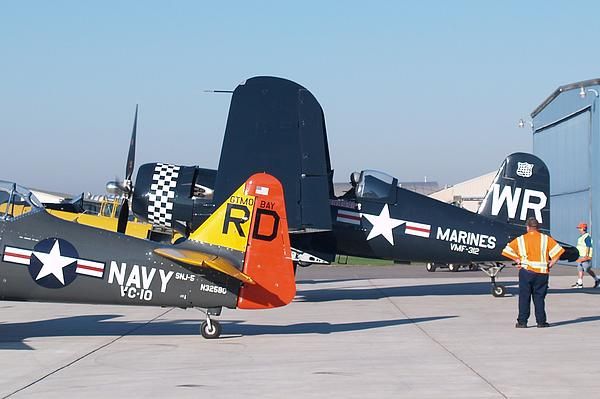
x=304, y=259
x=498, y=290
x=492, y=270
x=300, y=264
x=211, y=329
x=453, y=267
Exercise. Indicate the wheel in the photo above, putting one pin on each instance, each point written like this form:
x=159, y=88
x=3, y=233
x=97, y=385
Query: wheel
x=498, y=291
x=453, y=267
x=430, y=267
x=473, y=267
x=304, y=264
x=210, y=333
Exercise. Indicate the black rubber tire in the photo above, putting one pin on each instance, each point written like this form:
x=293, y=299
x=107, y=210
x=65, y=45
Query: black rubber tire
x=473, y=267
x=498, y=291
x=453, y=267
x=213, y=333
x=430, y=267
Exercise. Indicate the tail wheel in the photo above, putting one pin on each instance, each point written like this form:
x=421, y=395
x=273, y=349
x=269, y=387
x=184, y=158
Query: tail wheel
x=498, y=291
x=212, y=330
x=453, y=267
x=430, y=267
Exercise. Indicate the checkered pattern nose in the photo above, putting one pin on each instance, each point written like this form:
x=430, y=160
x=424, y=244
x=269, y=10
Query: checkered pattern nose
x=162, y=194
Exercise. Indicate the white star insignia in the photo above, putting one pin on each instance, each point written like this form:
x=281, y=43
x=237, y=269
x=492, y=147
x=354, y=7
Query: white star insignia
x=383, y=224
x=53, y=263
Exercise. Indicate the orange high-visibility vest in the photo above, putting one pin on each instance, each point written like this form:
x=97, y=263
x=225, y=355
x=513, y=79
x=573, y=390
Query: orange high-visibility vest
x=533, y=250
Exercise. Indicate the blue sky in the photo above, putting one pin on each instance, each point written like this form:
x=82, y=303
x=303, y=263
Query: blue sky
x=411, y=88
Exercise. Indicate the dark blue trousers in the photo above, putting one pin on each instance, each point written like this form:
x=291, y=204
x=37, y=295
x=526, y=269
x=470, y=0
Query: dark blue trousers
x=532, y=285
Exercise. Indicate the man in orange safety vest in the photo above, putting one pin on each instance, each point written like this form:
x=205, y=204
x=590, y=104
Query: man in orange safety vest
x=535, y=253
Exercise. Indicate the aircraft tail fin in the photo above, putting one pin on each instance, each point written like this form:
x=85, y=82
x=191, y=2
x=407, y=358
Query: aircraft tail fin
x=521, y=189
x=252, y=226
x=278, y=127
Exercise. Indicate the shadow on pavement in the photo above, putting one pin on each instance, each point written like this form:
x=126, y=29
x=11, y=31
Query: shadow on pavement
x=12, y=335
x=588, y=291
x=575, y=321
x=327, y=281
x=364, y=293
x=468, y=288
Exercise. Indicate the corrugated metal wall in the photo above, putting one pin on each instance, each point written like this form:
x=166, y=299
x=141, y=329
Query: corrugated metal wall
x=565, y=147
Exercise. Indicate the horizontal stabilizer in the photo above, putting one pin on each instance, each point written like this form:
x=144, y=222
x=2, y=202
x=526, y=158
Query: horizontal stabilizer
x=196, y=258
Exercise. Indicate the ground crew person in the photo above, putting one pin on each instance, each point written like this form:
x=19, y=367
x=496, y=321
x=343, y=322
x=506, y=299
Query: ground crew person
x=535, y=253
x=584, y=262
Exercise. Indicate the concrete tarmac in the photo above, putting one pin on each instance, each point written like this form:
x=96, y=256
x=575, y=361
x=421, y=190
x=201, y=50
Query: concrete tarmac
x=352, y=332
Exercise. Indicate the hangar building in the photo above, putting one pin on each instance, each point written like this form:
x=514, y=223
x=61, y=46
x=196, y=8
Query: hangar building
x=566, y=136
x=468, y=194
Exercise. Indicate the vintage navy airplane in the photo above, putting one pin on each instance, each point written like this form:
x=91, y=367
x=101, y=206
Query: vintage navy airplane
x=278, y=126
x=239, y=258
x=379, y=219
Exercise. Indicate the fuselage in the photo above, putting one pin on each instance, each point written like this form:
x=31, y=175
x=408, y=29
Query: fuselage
x=105, y=267
x=407, y=226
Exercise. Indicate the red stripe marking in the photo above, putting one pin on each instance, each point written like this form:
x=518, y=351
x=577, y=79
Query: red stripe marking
x=17, y=255
x=95, y=269
x=424, y=230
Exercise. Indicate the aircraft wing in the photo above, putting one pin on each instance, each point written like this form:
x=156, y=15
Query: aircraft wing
x=197, y=258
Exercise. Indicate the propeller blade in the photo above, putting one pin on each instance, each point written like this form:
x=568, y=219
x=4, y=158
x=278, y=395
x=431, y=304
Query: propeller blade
x=123, y=216
x=131, y=155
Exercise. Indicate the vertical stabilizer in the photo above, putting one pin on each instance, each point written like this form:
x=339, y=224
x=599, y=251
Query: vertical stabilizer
x=521, y=189
x=252, y=223
x=277, y=126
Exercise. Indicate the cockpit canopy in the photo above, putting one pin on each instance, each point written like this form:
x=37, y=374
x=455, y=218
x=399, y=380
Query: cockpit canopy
x=375, y=185
x=16, y=200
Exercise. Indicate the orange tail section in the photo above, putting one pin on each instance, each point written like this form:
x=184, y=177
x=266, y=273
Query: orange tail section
x=253, y=223
x=268, y=258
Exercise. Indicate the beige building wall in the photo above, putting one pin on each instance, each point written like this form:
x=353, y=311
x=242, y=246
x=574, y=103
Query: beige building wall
x=467, y=194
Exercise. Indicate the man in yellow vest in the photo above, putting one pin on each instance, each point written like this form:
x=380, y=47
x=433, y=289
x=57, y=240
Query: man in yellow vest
x=584, y=262
x=535, y=253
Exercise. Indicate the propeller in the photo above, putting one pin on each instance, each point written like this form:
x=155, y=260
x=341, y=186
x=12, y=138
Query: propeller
x=125, y=187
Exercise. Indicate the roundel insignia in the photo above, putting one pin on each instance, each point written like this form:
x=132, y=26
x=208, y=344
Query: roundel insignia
x=53, y=263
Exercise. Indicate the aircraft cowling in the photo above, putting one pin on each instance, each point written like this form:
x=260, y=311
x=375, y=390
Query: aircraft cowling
x=172, y=196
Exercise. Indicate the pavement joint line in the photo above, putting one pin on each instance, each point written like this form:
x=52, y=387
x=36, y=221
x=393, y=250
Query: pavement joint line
x=87, y=354
x=382, y=290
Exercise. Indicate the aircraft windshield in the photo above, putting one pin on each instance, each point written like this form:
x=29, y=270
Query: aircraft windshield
x=375, y=185
x=16, y=200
